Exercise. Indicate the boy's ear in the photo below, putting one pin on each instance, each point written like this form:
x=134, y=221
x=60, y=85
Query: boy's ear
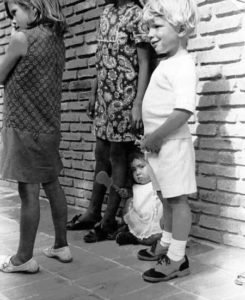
x=182, y=31
x=34, y=10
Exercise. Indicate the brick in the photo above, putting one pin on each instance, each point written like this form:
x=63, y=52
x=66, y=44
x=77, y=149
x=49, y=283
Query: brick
x=234, y=240
x=234, y=186
x=73, y=154
x=73, y=64
x=221, y=143
x=206, y=182
x=74, y=19
x=73, y=173
x=216, y=170
x=230, y=39
x=234, y=130
x=220, y=86
x=207, y=234
x=217, y=116
x=207, y=130
x=204, y=101
x=206, y=156
x=236, y=213
x=231, y=100
x=210, y=71
x=220, y=25
x=219, y=224
x=228, y=199
x=81, y=146
x=83, y=6
x=231, y=158
x=201, y=44
x=89, y=176
x=225, y=8
x=224, y=55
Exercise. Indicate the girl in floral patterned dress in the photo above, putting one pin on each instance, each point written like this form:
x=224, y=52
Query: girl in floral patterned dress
x=122, y=77
x=31, y=72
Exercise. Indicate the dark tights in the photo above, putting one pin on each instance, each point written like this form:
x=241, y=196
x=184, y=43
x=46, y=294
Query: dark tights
x=111, y=157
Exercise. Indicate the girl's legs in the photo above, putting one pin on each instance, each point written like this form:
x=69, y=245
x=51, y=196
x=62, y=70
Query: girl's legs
x=29, y=220
x=102, y=157
x=58, y=206
x=119, y=162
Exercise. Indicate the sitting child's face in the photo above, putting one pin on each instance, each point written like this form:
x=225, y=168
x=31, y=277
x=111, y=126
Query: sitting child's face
x=140, y=171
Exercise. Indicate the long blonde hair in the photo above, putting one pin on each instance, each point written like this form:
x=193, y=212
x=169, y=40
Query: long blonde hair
x=48, y=13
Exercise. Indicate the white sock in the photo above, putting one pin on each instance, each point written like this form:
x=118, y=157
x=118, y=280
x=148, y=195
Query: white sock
x=166, y=239
x=176, y=250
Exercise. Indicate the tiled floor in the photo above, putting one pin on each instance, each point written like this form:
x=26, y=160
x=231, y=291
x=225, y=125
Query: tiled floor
x=106, y=271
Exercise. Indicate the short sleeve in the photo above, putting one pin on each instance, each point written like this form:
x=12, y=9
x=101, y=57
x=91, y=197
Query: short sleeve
x=184, y=86
x=140, y=29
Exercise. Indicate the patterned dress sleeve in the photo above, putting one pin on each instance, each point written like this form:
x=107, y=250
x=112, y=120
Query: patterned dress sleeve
x=139, y=27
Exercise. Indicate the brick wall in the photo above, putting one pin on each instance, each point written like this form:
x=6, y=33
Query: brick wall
x=218, y=131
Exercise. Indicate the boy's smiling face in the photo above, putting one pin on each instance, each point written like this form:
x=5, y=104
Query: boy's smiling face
x=163, y=37
x=140, y=171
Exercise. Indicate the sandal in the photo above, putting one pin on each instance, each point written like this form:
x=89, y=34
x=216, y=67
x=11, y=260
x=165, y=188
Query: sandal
x=75, y=224
x=99, y=234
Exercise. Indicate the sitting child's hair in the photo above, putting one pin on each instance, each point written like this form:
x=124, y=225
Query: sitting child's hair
x=48, y=13
x=180, y=14
x=141, y=164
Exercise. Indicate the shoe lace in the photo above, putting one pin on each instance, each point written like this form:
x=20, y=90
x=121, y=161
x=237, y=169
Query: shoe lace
x=164, y=259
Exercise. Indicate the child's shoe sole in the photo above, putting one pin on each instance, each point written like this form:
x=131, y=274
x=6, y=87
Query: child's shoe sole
x=154, y=276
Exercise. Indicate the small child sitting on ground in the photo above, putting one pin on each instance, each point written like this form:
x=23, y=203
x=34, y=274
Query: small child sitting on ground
x=143, y=211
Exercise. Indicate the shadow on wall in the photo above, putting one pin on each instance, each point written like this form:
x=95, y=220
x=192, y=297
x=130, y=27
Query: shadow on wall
x=216, y=209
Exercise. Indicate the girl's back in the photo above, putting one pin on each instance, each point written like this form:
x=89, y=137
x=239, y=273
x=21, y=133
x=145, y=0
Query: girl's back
x=33, y=88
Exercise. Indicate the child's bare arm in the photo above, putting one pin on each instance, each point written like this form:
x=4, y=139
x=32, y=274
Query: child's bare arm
x=143, y=52
x=17, y=48
x=124, y=193
x=91, y=102
x=154, y=141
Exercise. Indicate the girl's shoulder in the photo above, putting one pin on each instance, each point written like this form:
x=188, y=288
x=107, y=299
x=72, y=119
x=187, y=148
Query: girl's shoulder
x=40, y=33
x=19, y=43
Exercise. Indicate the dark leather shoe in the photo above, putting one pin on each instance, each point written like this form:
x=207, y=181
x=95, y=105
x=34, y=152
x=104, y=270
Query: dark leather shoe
x=75, y=224
x=99, y=233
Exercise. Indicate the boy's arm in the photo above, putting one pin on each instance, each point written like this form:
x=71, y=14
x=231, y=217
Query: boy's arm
x=143, y=51
x=176, y=119
x=17, y=48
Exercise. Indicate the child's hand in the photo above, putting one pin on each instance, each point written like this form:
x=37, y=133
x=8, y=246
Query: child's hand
x=137, y=117
x=123, y=192
x=139, y=141
x=91, y=107
x=151, y=143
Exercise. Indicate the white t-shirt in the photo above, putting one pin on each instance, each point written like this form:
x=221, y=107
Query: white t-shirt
x=172, y=86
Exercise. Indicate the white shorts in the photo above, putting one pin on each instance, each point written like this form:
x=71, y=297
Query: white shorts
x=173, y=168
